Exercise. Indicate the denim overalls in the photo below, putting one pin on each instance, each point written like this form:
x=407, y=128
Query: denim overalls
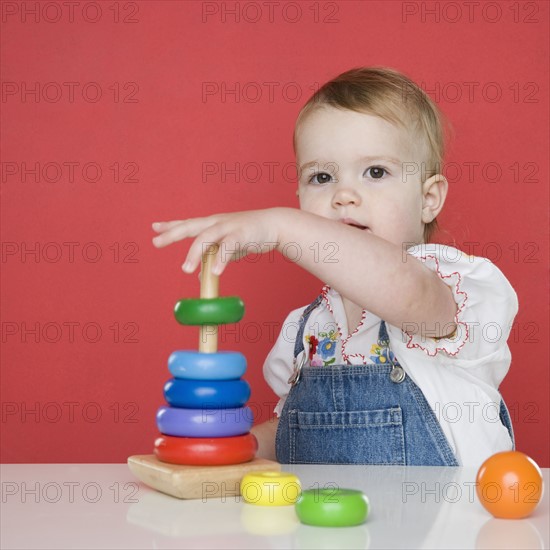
x=360, y=414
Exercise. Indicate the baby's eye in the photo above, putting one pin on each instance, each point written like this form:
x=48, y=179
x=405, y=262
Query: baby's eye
x=377, y=172
x=321, y=177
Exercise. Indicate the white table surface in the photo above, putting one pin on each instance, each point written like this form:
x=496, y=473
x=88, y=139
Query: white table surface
x=104, y=506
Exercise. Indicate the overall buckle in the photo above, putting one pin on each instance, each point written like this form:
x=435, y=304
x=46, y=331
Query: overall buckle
x=297, y=373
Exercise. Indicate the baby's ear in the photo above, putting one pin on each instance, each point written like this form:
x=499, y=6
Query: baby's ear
x=427, y=215
x=434, y=192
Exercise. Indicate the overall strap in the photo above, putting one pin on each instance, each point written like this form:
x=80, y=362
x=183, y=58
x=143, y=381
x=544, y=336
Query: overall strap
x=299, y=345
x=383, y=337
x=507, y=421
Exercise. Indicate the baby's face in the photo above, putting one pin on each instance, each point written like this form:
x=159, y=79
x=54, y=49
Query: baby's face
x=351, y=165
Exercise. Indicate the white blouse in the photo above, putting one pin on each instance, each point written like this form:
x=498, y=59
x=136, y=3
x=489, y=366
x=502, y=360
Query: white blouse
x=459, y=375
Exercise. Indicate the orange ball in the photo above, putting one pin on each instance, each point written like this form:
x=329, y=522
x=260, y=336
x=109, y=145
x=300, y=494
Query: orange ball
x=509, y=485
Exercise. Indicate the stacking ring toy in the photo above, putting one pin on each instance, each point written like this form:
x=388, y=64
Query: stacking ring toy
x=209, y=311
x=194, y=365
x=204, y=422
x=198, y=451
x=332, y=507
x=216, y=394
x=270, y=488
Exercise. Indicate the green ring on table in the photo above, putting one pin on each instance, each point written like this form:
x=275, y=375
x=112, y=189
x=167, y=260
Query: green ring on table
x=206, y=451
x=214, y=394
x=209, y=311
x=196, y=365
x=332, y=507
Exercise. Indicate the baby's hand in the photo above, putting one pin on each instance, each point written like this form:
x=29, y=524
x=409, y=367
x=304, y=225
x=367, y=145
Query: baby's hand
x=238, y=234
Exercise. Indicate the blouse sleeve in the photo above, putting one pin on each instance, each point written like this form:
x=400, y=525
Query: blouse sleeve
x=486, y=304
x=278, y=365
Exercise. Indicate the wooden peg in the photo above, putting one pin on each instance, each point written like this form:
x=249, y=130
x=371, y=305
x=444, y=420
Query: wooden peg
x=208, y=338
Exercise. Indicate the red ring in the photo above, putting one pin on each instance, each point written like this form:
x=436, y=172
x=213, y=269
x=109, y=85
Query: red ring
x=206, y=451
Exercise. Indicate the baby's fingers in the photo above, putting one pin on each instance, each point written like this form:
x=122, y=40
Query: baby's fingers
x=170, y=236
x=159, y=227
x=172, y=232
x=168, y=232
x=199, y=248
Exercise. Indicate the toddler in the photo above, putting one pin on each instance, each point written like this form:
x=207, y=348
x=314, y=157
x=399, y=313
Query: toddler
x=399, y=358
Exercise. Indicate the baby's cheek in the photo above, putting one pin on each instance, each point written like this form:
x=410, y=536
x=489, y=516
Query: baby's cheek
x=308, y=205
x=397, y=230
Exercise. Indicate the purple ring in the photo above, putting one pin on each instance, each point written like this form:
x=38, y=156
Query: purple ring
x=204, y=422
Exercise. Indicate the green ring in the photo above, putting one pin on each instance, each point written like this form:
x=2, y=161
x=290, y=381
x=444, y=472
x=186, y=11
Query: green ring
x=209, y=311
x=332, y=507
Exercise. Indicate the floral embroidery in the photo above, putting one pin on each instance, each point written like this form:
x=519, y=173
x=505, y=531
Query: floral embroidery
x=322, y=350
x=381, y=355
x=316, y=361
x=327, y=348
x=312, y=345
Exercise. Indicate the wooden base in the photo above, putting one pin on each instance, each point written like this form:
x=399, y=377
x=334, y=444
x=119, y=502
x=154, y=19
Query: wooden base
x=191, y=482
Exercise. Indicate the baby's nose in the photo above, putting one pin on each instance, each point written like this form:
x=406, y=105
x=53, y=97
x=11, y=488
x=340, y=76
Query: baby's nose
x=346, y=196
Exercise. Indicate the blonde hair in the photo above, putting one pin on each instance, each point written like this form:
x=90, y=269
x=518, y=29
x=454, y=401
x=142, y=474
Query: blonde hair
x=389, y=94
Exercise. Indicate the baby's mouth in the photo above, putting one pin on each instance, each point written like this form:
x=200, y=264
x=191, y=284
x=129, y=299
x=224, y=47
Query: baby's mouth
x=353, y=223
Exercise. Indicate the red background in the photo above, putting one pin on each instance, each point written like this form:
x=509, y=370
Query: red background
x=96, y=401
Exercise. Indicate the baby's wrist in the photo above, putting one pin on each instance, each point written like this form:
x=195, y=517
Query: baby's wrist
x=278, y=221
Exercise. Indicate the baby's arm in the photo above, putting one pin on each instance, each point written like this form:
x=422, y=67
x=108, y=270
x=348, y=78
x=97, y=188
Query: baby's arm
x=369, y=271
x=265, y=434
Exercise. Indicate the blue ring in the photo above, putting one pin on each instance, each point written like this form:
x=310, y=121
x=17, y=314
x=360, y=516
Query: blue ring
x=204, y=422
x=216, y=394
x=196, y=365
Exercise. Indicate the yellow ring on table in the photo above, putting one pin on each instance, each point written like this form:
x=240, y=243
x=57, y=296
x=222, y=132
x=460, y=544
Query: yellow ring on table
x=270, y=488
